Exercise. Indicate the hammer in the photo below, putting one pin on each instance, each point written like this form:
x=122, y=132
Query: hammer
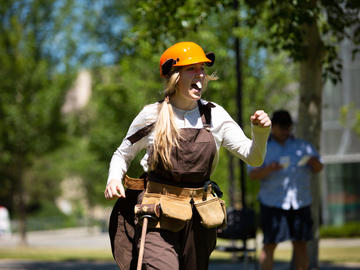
x=144, y=212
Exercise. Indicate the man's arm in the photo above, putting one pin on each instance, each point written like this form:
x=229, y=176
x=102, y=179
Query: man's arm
x=262, y=172
x=315, y=164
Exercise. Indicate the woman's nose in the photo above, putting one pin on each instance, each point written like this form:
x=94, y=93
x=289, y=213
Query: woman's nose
x=199, y=73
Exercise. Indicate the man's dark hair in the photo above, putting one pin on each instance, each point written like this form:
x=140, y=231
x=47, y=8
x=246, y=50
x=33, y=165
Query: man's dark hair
x=281, y=118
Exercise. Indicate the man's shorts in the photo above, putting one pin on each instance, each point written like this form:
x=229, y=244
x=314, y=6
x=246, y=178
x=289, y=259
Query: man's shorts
x=279, y=225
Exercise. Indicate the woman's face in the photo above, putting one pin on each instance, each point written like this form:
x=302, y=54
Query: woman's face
x=190, y=85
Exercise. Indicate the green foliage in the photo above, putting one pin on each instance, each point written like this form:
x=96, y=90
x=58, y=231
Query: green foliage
x=348, y=230
x=279, y=25
x=170, y=19
x=285, y=24
x=31, y=91
x=33, y=84
x=49, y=217
x=350, y=117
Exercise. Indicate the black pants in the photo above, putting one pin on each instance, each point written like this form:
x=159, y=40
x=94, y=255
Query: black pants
x=279, y=225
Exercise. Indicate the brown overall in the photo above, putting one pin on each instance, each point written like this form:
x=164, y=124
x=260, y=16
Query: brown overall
x=190, y=247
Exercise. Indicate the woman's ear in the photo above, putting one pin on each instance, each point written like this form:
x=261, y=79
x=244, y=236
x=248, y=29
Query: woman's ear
x=166, y=67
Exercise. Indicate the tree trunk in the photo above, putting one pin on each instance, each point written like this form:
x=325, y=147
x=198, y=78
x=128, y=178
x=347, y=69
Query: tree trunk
x=309, y=119
x=20, y=205
x=21, y=209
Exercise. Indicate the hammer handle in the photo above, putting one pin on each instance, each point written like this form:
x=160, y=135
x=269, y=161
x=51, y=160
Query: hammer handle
x=142, y=242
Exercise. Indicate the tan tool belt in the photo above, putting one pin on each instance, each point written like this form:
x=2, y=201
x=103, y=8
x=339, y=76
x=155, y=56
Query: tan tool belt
x=134, y=183
x=176, y=208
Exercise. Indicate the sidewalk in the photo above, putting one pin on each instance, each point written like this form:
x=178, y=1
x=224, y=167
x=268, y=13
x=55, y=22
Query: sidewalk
x=84, y=238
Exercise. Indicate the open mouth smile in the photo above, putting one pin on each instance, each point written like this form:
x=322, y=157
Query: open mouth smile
x=197, y=86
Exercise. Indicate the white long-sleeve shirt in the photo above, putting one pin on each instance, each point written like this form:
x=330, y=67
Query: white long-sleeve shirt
x=224, y=129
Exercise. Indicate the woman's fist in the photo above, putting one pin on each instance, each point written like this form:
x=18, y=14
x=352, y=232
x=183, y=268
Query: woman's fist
x=260, y=118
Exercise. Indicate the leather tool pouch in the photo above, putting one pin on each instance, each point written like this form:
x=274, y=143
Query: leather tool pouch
x=212, y=212
x=175, y=212
x=175, y=208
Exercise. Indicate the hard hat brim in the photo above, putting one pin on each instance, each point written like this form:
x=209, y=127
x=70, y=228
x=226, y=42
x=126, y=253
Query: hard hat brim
x=192, y=61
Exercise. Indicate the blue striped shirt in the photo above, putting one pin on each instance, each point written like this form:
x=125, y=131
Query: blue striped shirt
x=289, y=186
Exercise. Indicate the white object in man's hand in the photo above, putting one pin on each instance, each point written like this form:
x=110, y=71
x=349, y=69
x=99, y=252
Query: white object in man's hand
x=303, y=161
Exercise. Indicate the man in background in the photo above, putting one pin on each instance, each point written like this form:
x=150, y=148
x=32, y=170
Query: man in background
x=285, y=195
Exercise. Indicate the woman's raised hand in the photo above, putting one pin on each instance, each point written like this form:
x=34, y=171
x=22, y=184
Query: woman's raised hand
x=260, y=118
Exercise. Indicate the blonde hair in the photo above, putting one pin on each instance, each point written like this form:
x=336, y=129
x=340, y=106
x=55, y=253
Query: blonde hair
x=166, y=133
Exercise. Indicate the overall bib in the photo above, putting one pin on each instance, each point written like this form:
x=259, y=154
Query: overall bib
x=191, y=246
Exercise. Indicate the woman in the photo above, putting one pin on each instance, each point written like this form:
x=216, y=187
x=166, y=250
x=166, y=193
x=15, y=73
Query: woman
x=182, y=136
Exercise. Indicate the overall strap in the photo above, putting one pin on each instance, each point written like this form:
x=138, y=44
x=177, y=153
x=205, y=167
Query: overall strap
x=141, y=133
x=205, y=113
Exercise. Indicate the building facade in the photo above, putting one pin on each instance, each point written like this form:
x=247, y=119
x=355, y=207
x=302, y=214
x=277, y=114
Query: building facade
x=340, y=143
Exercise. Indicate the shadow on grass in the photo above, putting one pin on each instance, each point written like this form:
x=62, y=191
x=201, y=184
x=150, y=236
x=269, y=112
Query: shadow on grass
x=327, y=265
x=252, y=264
x=218, y=264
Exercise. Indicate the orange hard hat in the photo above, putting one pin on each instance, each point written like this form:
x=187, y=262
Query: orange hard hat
x=183, y=54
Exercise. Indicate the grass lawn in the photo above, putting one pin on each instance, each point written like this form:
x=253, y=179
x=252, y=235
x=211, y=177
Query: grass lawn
x=55, y=254
x=327, y=254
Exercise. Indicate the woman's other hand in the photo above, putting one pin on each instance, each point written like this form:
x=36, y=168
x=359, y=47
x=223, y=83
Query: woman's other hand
x=114, y=189
x=260, y=118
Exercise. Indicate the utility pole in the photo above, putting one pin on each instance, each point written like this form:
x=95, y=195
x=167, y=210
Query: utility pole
x=239, y=95
x=239, y=105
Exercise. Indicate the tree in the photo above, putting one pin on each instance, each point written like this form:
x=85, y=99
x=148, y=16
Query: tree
x=32, y=93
